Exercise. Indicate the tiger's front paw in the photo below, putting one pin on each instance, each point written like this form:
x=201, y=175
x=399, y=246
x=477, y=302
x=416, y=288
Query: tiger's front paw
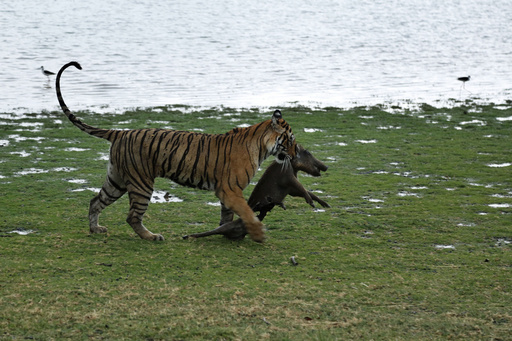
x=256, y=230
x=258, y=236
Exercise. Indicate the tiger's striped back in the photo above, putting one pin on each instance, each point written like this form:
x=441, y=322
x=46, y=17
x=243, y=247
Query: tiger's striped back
x=194, y=159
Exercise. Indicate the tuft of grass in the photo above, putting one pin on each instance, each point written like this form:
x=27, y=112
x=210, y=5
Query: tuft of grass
x=415, y=246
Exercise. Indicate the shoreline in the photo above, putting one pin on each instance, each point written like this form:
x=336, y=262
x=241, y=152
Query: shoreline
x=406, y=104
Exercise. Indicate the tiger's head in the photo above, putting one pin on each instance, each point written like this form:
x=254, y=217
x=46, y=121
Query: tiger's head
x=285, y=146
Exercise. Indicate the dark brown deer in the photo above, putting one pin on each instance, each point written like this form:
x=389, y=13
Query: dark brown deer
x=278, y=181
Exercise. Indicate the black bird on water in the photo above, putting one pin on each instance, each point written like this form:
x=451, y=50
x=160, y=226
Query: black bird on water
x=46, y=72
x=464, y=80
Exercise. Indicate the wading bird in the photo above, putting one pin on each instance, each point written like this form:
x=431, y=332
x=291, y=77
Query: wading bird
x=46, y=72
x=464, y=80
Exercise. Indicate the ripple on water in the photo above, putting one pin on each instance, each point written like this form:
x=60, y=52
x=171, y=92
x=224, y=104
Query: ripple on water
x=309, y=54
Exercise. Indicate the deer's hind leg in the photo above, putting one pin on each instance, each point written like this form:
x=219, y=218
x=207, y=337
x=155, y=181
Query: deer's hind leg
x=113, y=188
x=226, y=215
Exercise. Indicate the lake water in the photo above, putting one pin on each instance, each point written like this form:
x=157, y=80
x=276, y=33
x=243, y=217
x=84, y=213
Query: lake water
x=253, y=53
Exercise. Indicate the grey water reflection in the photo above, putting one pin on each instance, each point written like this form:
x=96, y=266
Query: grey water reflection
x=254, y=53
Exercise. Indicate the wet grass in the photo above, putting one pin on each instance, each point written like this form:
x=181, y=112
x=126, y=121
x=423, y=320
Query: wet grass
x=415, y=246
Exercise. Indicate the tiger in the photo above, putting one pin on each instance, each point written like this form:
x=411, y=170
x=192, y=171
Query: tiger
x=223, y=163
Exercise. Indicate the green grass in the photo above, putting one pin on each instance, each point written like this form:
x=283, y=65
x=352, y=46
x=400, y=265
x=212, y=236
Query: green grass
x=369, y=268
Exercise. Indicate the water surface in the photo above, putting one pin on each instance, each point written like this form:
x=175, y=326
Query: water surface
x=254, y=53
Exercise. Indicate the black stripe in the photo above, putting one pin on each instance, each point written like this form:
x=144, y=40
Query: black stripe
x=144, y=164
x=146, y=197
x=115, y=185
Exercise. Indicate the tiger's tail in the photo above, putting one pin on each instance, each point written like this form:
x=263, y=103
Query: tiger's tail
x=102, y=133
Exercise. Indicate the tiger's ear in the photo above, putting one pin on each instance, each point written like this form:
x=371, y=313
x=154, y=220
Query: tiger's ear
x=277, y=120
x=277, y=114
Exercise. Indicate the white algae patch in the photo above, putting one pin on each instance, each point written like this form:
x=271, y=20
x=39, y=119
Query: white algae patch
x=444, y=247
x=163, y=197
x=312, y=130
x=92, y=189
x=499, y=165
x=64, y=169
x=149, y=122
x=29, y=171
x=103, y=157
x=75, y=149
x=408, y=194
x=36, y=125
x=502, y=242
x=502, y=196
x=22, y=232
x=465, y=224
x=78, y=181
x=500, y=205
x=388, y=128
x=501, y=119
x=18, y=138
x=21, y=154
x=476, y=122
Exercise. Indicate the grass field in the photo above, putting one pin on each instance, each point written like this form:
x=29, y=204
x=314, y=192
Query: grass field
x=415, y=246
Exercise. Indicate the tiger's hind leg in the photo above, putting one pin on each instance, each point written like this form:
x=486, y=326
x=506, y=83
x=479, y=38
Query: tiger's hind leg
x=112, y=189
x=139, y=201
